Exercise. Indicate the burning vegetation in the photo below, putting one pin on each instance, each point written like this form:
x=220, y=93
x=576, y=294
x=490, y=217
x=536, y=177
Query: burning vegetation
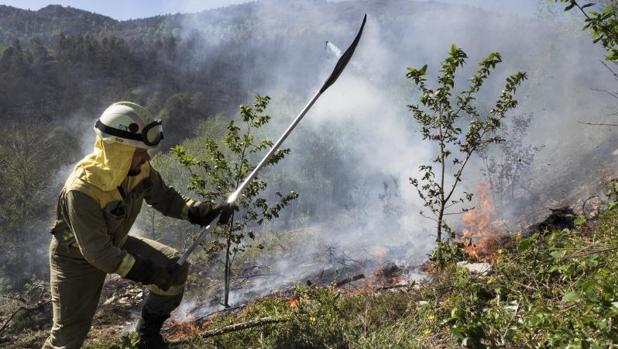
x=482, y=230
x=538, y=275
x=187, y=328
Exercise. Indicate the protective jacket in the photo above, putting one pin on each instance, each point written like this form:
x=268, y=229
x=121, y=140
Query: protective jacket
x=96, y=209
x=94, y=219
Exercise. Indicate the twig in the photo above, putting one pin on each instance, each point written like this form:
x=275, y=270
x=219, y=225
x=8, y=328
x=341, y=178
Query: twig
x=216, y=312
x=584, y=205
x=528, y=287
x=568, y=307
x=425, y=216
x=599, y=250
x=597, y=124
x=350, y=279
x=38, y=305
x=611, y=93
x=453, y=213
x=384, y=288
x=611, y=70
x=234, y=327
x=6, y=323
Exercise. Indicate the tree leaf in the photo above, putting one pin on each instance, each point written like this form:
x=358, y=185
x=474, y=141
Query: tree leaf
x=570, y=297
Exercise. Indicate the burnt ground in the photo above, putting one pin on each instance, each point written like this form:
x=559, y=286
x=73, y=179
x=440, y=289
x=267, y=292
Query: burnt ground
x=117, y=313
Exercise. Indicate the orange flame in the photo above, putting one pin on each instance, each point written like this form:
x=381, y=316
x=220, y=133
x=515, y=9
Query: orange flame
x=186, y=329
x=481, y=230
x=293, y=302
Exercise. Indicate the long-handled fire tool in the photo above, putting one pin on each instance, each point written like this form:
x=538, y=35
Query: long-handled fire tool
x=341, y=64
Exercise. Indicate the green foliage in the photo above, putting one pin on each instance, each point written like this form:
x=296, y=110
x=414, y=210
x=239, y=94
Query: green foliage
x=129, y=340
x=552, y=290
x=601, y=20
x=224, y=167
x=322, y=318
x=464, y=317
x=562, y=291
x=612, y=194
x=442, y=117
x=447, y=253
x=316, y=321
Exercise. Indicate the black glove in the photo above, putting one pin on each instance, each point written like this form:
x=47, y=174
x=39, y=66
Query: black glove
x=227, y=210
x=145, y=272
x=204, y=213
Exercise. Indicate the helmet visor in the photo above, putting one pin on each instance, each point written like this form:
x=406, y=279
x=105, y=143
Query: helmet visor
x=153, y=133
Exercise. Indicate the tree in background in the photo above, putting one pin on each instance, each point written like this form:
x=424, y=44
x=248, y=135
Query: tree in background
x=506, y=169
x=31, y=154
x=441, y=116
x=226, y=165
x=601, y=20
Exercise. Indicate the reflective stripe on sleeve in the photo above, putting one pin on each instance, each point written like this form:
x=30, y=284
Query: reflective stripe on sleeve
x=125, y=265
x=173, y=290
x=184, y=214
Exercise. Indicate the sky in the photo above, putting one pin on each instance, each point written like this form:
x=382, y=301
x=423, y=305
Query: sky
x=128, y=9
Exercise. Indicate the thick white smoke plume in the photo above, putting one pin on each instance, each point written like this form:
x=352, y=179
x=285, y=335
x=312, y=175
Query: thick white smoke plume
x=354, y=153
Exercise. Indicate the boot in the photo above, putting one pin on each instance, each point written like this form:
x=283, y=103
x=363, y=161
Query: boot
x=149, y=330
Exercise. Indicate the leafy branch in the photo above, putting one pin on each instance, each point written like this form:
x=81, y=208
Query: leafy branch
x=602, y=23
x=224, y=167
x=440, y=117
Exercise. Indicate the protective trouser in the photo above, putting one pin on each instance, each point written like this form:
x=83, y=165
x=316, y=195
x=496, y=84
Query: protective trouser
x=76, y=287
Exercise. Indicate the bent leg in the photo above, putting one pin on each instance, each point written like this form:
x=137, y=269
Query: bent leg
x=159, y=302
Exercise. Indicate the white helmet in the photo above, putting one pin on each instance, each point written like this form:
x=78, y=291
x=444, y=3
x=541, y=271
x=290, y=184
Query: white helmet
x=129, y=123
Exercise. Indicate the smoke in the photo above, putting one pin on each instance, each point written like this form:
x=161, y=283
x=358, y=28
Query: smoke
x=338, y=53
x=354, y=153
x=367, y=106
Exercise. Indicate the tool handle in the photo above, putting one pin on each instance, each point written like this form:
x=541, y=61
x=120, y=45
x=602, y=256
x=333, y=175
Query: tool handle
x=234, y=196
x=196, y=242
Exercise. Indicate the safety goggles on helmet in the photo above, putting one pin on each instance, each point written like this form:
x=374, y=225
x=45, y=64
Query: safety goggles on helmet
x=151, y=134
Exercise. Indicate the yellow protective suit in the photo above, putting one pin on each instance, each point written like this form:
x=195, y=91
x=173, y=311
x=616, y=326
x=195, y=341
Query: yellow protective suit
x=96, y=209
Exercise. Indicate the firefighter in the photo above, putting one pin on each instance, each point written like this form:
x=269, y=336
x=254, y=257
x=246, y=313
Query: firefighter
x=96, y=209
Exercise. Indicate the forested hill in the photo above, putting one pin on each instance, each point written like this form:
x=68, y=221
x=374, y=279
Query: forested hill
x=48, y=22
x=61, y=61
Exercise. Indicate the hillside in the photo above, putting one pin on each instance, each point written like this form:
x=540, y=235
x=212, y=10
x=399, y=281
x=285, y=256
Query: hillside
x=550, y=288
